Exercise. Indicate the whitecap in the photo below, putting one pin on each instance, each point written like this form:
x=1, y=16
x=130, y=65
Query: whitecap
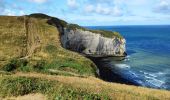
x=148, y=74
x=122, y=65
x=148, y=77
x=156, y=82
x=153, y=75
x=127, y=58
x=160, y=73
x=133, y=74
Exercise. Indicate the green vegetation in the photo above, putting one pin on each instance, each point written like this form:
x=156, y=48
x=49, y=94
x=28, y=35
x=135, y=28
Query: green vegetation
x=104, y=33
x=64, y=87
x=51, y=20
x=66, y=66
x=108, y=34
x=16, y=86
x=31, y=44
x=14, y=64
x=74, y=27
x=32, y=60
x=39, y=15
x=55, y=21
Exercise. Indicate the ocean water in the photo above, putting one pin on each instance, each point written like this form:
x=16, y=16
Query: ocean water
x=148, y=60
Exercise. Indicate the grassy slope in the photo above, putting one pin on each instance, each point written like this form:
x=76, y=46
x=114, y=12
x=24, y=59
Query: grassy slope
x=36, y=96
x=104, y=33
x=65, y=87
x=27, y=44
x=31, y=45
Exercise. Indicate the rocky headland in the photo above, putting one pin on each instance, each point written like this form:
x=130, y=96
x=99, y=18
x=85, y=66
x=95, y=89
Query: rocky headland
x=47, y=55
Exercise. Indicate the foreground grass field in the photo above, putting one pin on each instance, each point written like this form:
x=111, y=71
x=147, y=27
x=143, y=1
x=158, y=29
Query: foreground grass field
x=74, y=88
x=34, y=64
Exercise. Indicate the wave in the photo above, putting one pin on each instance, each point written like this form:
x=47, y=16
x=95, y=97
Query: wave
x=140, y=78
x=121, y=65
x=156, y=82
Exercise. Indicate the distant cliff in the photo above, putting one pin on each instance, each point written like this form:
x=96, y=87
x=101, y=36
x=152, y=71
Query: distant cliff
x=96, y=43
x=38, y=39
x=93, y=43
x=33, y=60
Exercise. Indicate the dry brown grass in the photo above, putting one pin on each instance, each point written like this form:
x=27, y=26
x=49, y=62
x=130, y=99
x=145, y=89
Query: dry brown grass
x=36, y=96
x=114, y=90
x=35, y=40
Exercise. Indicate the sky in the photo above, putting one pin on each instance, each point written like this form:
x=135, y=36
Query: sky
x=94, y=12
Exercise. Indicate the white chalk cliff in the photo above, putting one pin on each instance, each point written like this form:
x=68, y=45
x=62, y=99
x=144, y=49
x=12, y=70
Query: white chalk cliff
x=92, y=44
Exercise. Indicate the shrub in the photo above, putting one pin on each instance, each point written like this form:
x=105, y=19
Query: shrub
x=51, y=48
x=15, y=86
x=40, y=65
x=11, y=86
x=14, y=64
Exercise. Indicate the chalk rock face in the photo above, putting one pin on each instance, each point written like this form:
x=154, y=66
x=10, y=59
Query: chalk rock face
x=92, y=44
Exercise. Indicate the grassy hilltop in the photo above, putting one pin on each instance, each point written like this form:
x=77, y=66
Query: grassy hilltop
x=33, y=61
x=30, y=44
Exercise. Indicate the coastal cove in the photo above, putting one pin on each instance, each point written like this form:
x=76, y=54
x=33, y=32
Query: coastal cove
x=52, y=59
x=84, y=49
x=147, y=63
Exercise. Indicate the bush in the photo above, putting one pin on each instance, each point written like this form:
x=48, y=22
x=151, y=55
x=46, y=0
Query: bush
x=40, y=65
x=14, y=64
x=15, y=86
x=11, y=86
x=51, y=48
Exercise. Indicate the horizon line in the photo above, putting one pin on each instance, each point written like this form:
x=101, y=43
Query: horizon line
x=124, y=25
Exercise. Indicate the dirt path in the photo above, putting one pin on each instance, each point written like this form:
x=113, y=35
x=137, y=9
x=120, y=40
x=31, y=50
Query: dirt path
x=36, y=96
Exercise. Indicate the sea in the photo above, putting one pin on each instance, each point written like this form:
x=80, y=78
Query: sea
x=148, y=61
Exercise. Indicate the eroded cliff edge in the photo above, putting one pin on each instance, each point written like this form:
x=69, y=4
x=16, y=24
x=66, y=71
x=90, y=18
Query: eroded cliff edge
x=31, y=57
x=92, y=44
x=36, y=42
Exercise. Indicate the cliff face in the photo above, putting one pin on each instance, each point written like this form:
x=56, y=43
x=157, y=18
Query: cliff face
x=39, y=39
x=92, y=43
x=95, y=43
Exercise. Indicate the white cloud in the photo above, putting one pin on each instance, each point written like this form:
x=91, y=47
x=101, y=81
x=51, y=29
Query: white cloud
x=72, y=4
x=103, y=9
x=38, y=1
x=21, y=12
x=163, y=7
x=117, y=11
x=4, y=10
x=89, y=8
x=9, y=12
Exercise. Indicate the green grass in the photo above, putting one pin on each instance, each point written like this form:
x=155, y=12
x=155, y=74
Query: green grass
x=18, y=86
x=56, y=22
x=39, y=42
x=60, y=66
x=14, y=86
x=35, y=48
x=14, y=64
x=74, y=27
x=104, y=33
x=64, y=87
x=108, y=34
